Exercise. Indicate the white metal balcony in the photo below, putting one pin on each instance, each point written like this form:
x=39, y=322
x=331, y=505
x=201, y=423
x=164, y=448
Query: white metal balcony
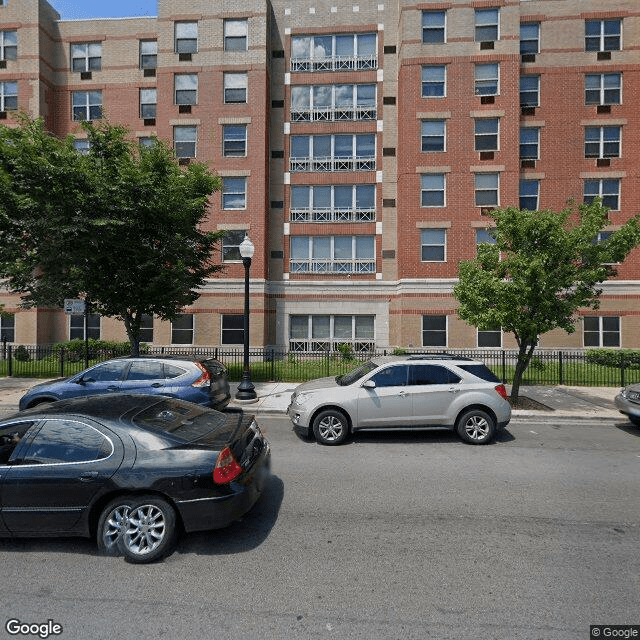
x=329, y=214
x=332, y=266
x=333, y=114
x=329, y=163
x=336, y=63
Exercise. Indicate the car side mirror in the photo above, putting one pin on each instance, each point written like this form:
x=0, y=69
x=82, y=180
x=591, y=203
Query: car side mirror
x=84, y=380
x=369, y=384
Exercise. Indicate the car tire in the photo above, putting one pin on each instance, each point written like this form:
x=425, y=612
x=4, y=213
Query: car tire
x=111, y=524
x=635, y=420
x=476, y=427
x=331, y=427
x=150, y=532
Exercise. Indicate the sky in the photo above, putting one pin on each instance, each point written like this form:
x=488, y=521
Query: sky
x=75, y=9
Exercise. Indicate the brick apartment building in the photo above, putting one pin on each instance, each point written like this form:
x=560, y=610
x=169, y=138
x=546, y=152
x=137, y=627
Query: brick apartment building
x=361, y=143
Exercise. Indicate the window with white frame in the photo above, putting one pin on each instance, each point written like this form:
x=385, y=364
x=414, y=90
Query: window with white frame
x=602, y=142
x=7, y=327
x=186, y=37
x=530, y=143
x=338, y=152
x=490, y=338
x=433, y=135
x=186, y=88
x=487, y=186
x=232, y=328
x=603, y=88
x=76, y=326
x=182, y=329
x=235, y=35
x=147, y=141
x=485, y=236
x=434, y=81
x=434, y=27
x=432, y=190
x=339, y=52
x=486, y=134
x=86, y=56
x=8, y=96
x=146, y=328
x=148, y=54
x=82, y=145
x=529, y=194
x=601, y=331
x=433, y=245
x=234, y=140
x=326, y=332
x=333, y=102
x=235, y=88
x=487, y=23
x=8, y=45
x=603, y=35
x=434, y=331
x=332, y=254
x=608, y=189
x=148, y=103
x=487, y=79
x=234, y=193
x=529, y=38
x=184, y=140
x=333, y=203
x=86, y=105
x=231, y=242
x=529, y=91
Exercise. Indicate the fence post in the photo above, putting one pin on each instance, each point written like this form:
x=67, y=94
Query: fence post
x=560, y=372
x=328, y=356
x=504, y=367
x=622, y=369
x=62, y=362
x=10, y=361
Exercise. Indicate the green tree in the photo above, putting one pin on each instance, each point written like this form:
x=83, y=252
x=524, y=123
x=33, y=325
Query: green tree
x=119, y=226
x=544, y=267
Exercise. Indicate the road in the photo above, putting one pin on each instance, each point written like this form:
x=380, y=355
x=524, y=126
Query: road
x=390, y=536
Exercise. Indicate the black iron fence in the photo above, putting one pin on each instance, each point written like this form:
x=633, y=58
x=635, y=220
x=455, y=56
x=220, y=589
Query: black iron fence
x=604, y=367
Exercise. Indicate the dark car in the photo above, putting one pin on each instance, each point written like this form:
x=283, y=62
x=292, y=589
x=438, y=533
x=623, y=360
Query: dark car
x=130, y=470
x=197, y=379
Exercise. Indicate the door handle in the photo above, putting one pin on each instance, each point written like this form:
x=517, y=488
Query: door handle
x=156, y=385
x=402, y=393
x=454, y=390
x=88, y=476
x=112, y=388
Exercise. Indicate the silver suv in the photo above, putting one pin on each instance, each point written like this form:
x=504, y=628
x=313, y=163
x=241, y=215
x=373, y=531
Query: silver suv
x=405, y=392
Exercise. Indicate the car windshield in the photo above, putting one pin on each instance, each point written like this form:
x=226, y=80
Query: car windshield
x=356, y=374
x=481, y=371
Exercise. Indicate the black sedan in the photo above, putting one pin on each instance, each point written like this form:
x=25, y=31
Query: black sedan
x=129, y=470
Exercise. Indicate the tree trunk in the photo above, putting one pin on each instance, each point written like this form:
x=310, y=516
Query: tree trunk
x=134, y=336
x=524, y=358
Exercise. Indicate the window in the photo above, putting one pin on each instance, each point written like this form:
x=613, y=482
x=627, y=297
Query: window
x=326, y=332
x=182, y=329
x=434, y=331
x=232, y=329
x=87, y=105
x=333, y=203
x=8, y=96
x=148, y=103
x=76, y=326
x=601, y=331
x=529, y=143
x=186, y=88
x=340, y=52
x=146, y=328
x=86, y=56
x=235, y=35
x=432, y=190
x=8, y=45
x=231, y=242
x=234, y=193
x=184, y=141
x=606, y=188
x=529, y=194
x=235, y=88
x=333, y=102
x=602, y=35
x=433, y=245
x=345, y=152
x=186, y=37
x=234, y=140
x=602, y=142
x=486, y=134
x=485, y=236
x=529, y=91
x=486, y=189
x=148, y=54
x=423, y=374
x=434, y=27
x=147, y=141
x=146, y=371
x=82, y=145
x=394, y=376
x=11, y=434
x=7, y=327
x=487, y=22
x=603, y=88
x=490, y=338
x=434, y=81
x=108, y=372
x=529, y=38
x=487, y=79
x=433, y=135
x=332, y=254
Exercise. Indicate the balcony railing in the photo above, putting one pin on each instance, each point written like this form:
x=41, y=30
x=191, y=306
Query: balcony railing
x=336, y=63
x=335, y=214
x=352, y=163
x=330, y=346
x=332, y=266
x=333, y=114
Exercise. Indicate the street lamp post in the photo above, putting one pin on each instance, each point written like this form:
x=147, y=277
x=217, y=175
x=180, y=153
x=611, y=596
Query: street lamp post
x=246, y=390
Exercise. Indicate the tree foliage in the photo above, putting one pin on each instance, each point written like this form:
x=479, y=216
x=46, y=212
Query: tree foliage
x=544, y=268
x=119, y=226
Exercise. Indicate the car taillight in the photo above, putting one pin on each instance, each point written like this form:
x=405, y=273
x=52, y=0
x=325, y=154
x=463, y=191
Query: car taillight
x=204, y=379
x=226, y=468
x=501, y=390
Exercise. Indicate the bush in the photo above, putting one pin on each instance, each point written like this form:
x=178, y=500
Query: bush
x=345, y=350
x=629, y=358
x=399, y=351
x=74, y=350
x=22, y=354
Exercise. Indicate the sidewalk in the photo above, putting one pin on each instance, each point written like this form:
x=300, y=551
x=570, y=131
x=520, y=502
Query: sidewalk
x=274, y=397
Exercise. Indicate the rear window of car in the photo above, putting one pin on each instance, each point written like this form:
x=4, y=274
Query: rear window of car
x=481, y=371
